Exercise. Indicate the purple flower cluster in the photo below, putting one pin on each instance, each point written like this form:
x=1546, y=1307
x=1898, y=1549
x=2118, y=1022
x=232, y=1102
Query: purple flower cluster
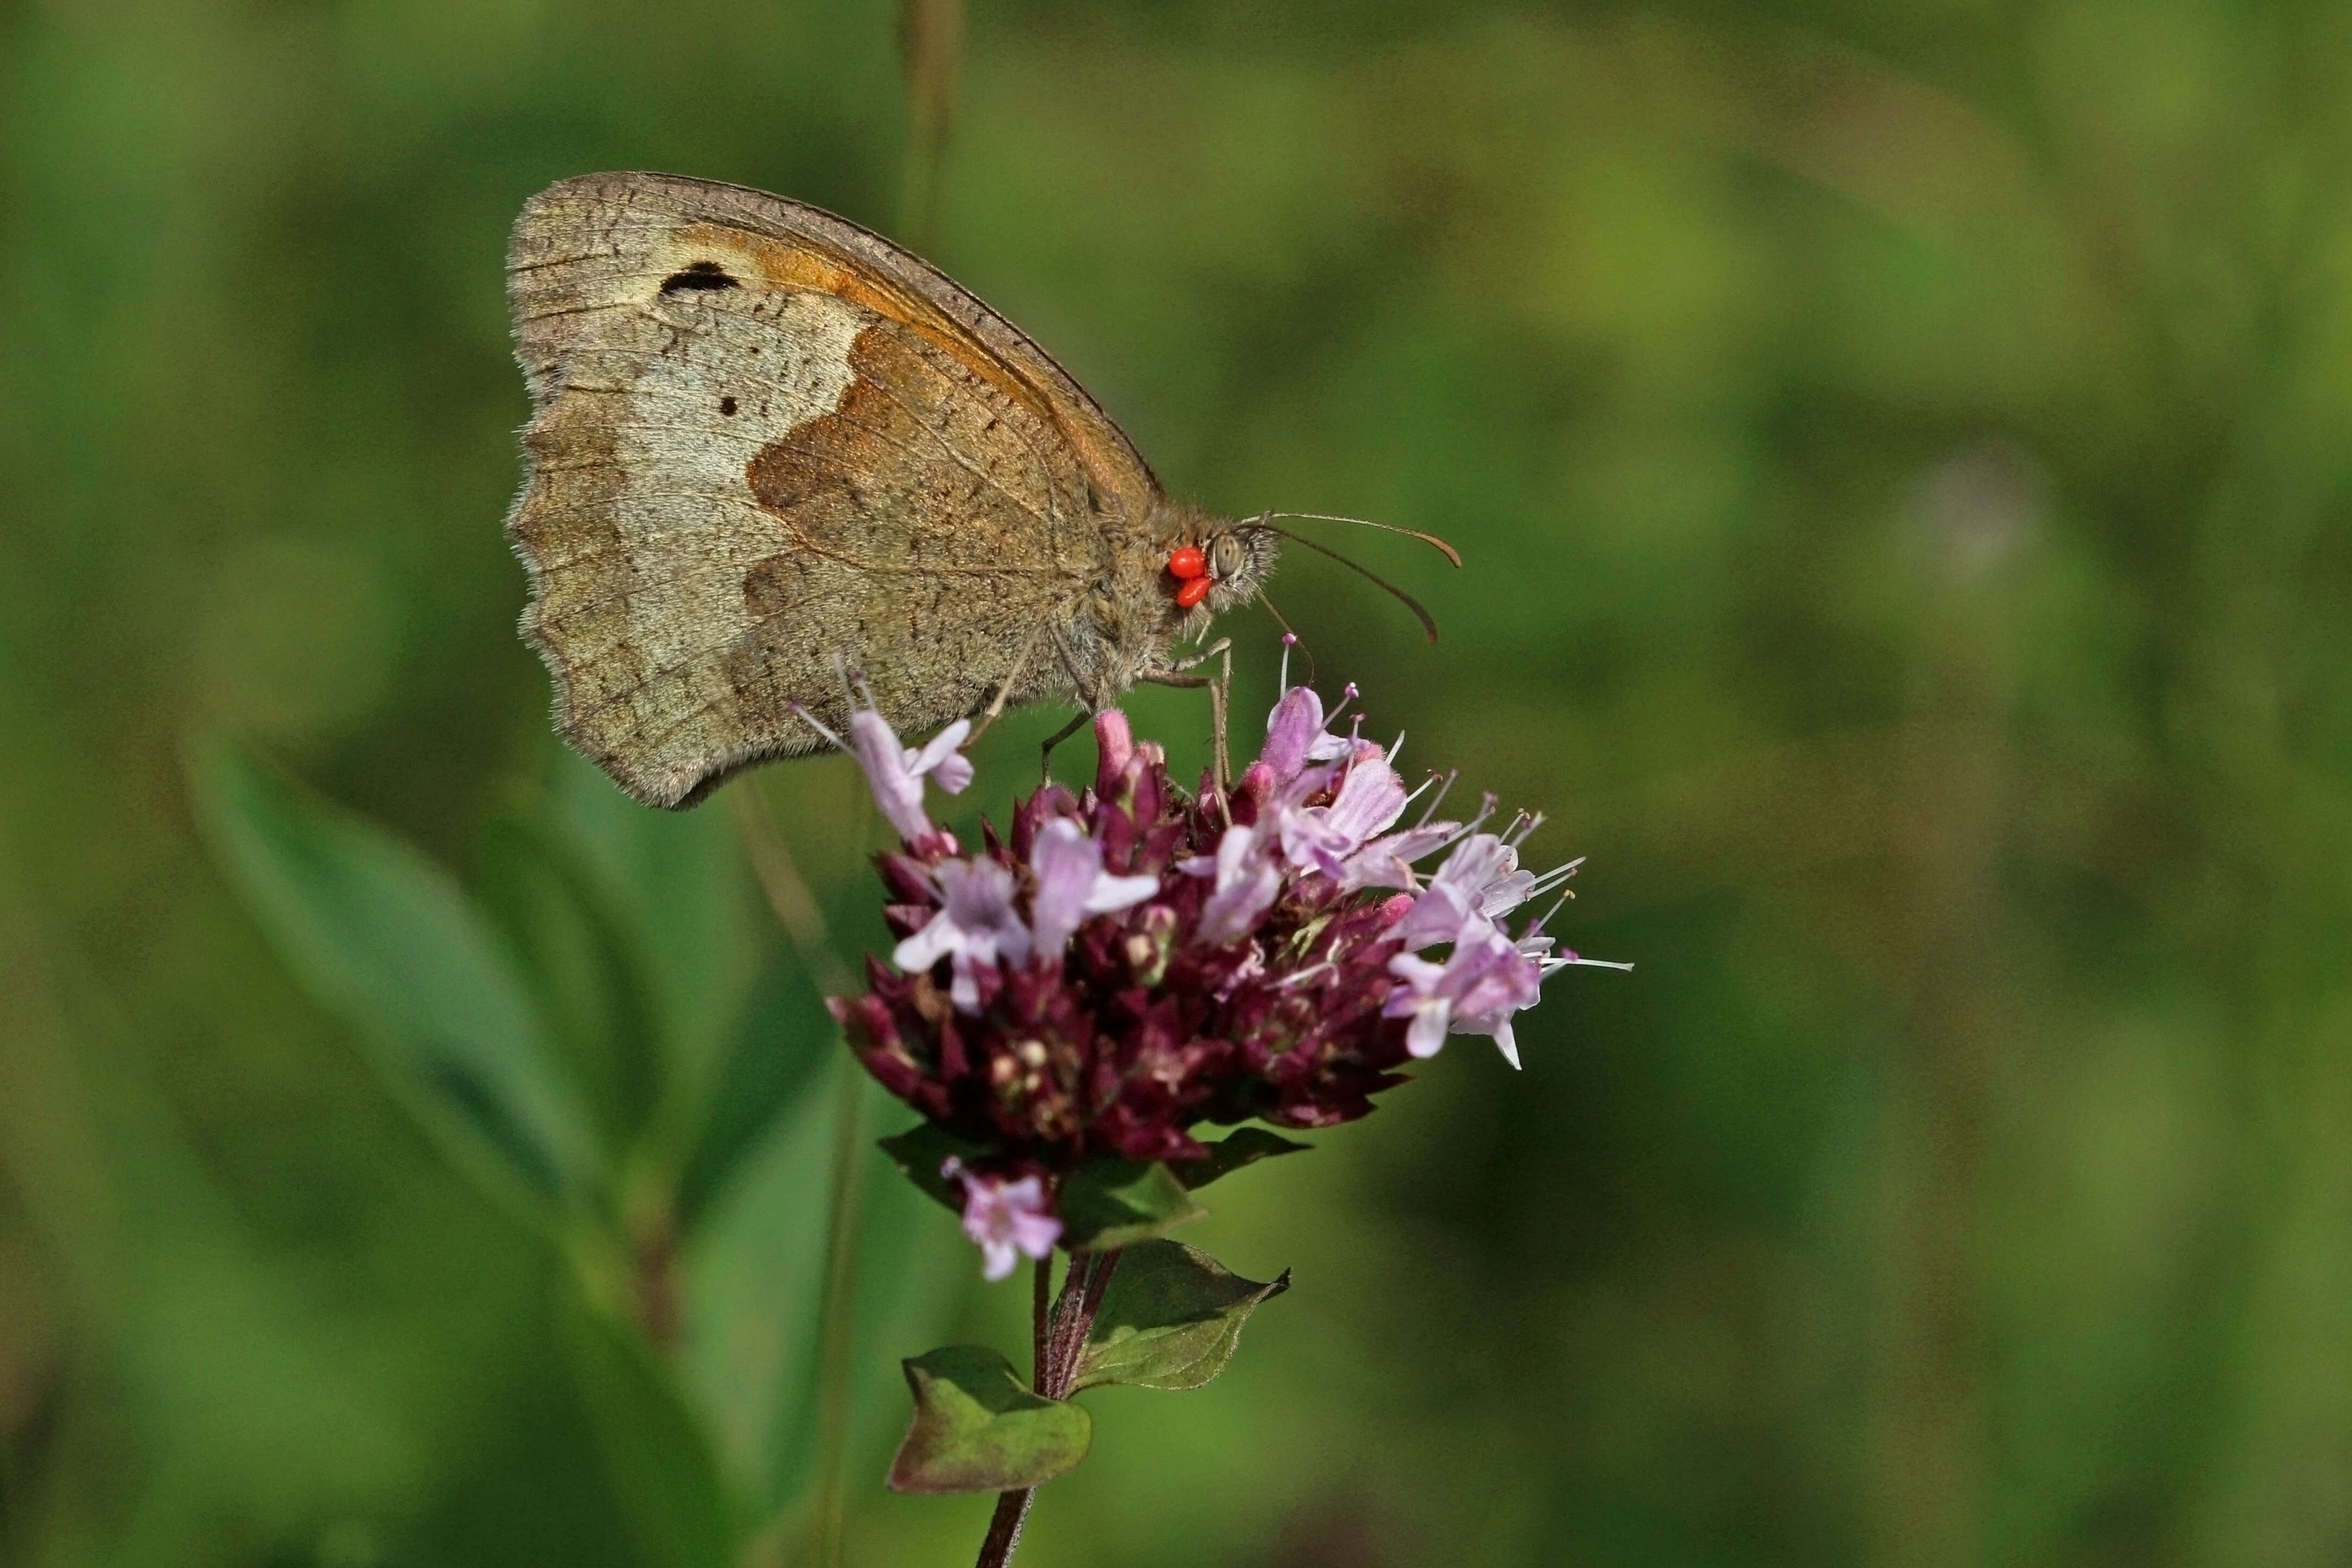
x=1130, y=962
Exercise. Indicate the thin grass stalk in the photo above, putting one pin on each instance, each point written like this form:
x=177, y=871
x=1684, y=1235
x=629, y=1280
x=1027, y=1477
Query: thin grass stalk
x=797, y=912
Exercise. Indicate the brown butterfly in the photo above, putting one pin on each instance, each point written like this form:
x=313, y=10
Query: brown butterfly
x=767, y=446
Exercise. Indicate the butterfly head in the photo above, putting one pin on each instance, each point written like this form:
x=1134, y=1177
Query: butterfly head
x=1219, y=564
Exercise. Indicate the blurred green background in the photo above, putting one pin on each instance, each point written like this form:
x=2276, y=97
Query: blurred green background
x=1902, y=454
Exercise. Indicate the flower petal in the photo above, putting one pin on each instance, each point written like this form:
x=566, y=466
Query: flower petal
x=939, y=747
x=1426, y=1037
x=1065, y=863
x=1291, y=731
x=1112, y=893
x=898, y=791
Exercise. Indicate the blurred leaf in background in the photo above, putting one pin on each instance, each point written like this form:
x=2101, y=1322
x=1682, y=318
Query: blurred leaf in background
x=1902, y=455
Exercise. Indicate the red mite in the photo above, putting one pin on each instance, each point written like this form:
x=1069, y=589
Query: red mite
x=1191, y=568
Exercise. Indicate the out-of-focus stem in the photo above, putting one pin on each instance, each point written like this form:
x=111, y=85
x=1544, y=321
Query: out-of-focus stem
x=1927, y=1407
x=838, y=1316
x=1041, y=1293
x=931, y=35
x=804, y=922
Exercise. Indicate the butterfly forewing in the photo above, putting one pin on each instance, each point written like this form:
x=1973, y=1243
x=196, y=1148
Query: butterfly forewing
x=768, y=446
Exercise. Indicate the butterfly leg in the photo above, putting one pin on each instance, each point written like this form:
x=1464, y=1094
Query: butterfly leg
x=1220, y=689
x=1079, y=721
x=1222, y=646
x=1088, y=695
x=1004, y=688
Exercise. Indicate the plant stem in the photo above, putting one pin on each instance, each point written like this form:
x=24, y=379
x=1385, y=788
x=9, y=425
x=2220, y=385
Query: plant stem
x=1041, y=1292
x=1004, y=1526
x=1013, y=1507
x=1058, y=1337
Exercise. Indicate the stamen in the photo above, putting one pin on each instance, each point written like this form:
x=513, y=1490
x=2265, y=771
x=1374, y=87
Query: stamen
x=1553, y=878
x=1346, y=698
x=1486, y=809
x=1431, y=810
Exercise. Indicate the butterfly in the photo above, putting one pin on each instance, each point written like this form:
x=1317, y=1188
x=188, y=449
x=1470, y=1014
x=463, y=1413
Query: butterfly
x=771, y=452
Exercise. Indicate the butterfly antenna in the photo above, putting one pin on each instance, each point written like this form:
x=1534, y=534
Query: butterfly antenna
x=1428, y=621
x=1291, y=639
x=1431, y=540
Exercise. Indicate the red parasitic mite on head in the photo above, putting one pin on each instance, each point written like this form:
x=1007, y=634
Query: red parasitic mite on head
x=1188, y=562
x=1194, y=589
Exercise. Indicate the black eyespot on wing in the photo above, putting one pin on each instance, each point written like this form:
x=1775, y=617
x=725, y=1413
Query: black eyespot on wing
x=698, y=275
x=727, y=405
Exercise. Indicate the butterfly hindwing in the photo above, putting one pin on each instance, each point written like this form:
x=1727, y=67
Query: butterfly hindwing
x=766, y=446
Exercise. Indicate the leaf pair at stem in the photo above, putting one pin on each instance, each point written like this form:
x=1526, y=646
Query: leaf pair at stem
x=1157, y=1314
x=1135, y=1308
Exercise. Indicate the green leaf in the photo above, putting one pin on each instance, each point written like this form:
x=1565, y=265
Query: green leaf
x=1170, y=1318
x=977, y=1429
x=585, y=972
x=754, y=1274
x=920, y=1151
x=660, y=1469
x=676, y=884
x=786, y=1046
x=1245, y=1147
x=382, y=937
x=1110, y=1204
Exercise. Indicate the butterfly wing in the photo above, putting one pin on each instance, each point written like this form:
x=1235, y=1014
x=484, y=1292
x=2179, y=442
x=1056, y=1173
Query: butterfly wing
x=767, y=447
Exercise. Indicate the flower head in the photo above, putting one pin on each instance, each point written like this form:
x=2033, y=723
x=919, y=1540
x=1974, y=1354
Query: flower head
x=1126, y=964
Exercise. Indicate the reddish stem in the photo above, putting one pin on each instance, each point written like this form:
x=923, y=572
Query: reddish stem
x=1057, y=1337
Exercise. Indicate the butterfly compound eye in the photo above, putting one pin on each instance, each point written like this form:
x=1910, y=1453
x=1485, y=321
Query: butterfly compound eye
x=1195, y=589
x=1227, y=556
x=1188, y=562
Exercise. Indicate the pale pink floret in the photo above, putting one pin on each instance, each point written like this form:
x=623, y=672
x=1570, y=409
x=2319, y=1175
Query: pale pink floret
x=1481, y=879
x=1006, y=1220
x=1248, y=879
x=1324, y=838
x=1295, y=735
x=896, y=772
x=1388, y=861
x=1476, y=990
x=976, y=924
x=1072, y=884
